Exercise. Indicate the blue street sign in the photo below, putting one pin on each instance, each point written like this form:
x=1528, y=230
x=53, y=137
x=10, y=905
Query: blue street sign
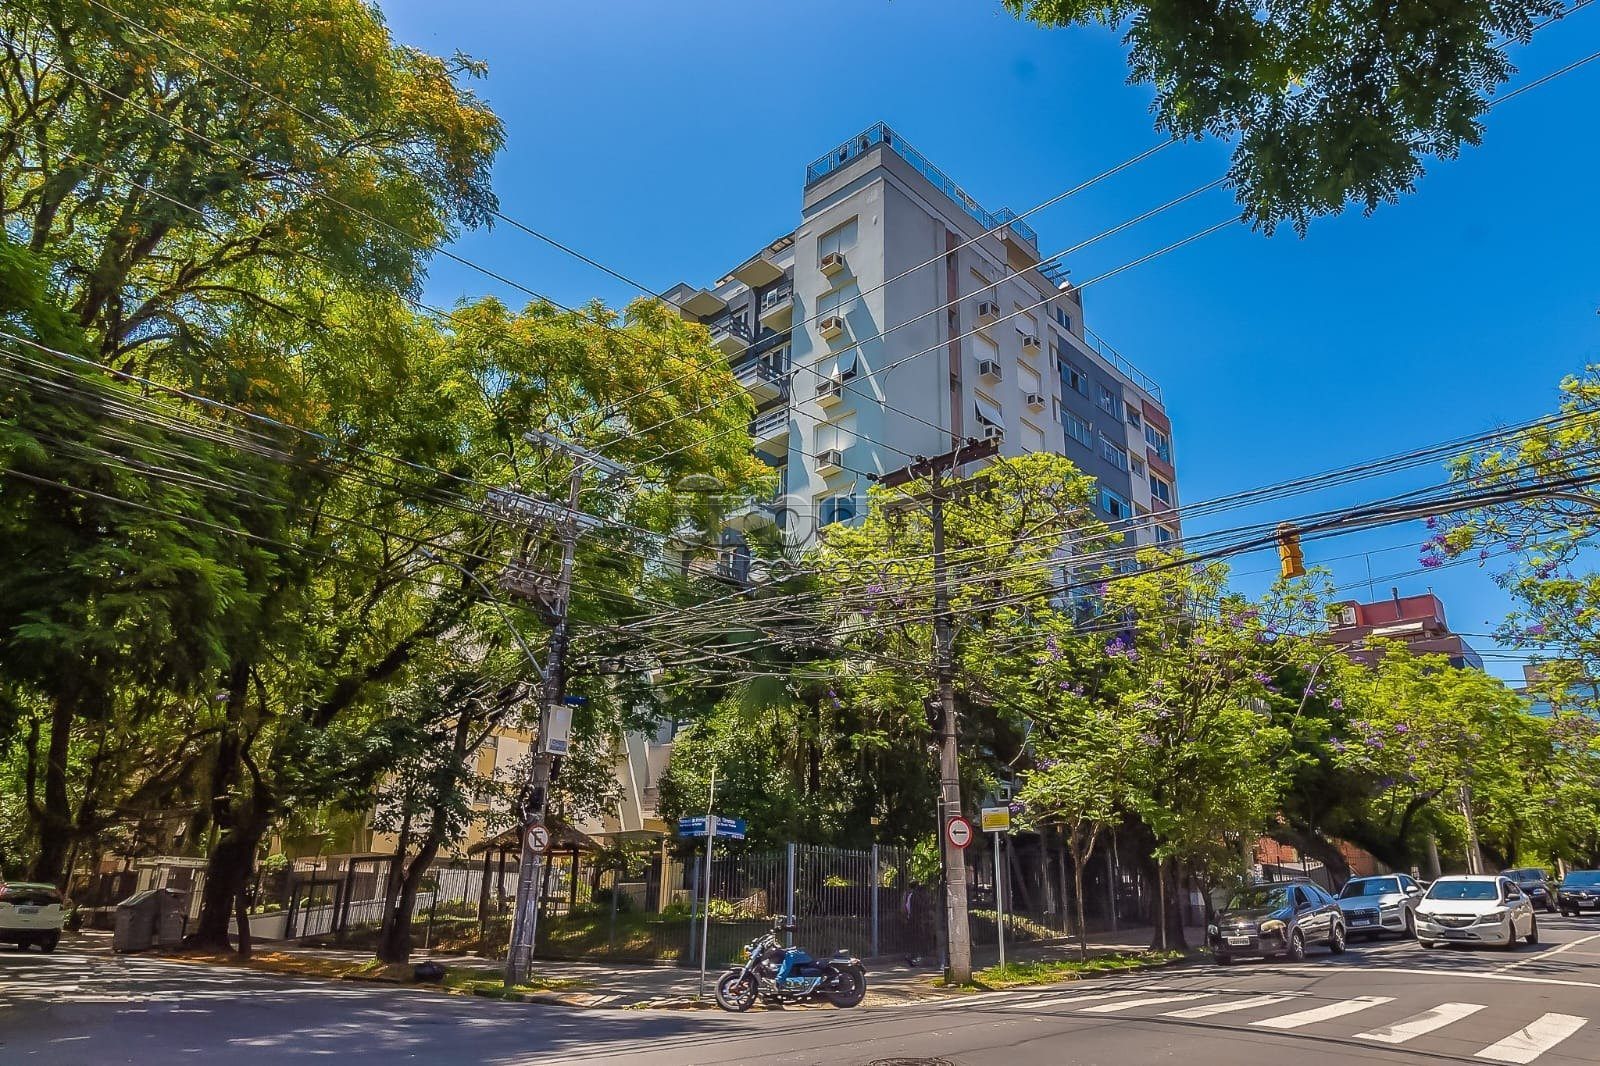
x=577, y=701
x=695, y=826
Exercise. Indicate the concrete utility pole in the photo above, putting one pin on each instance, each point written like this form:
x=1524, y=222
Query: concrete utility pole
x=553, y=597
x=958, y=967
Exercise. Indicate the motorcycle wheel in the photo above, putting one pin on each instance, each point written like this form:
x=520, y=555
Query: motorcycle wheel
x=849, y=988
x=735, y=991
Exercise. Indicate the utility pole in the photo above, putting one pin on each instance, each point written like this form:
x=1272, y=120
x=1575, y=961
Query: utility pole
x=553, y=596
x=958, y=967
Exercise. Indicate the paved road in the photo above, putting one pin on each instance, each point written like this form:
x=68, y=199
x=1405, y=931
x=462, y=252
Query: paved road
x=1383, y=1003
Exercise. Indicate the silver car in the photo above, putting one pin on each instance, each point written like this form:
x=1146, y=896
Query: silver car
x=1383, y=904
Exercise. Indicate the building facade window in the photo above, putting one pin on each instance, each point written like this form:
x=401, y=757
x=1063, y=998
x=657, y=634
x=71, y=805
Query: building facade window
x=840, y=238
x=1114, y=504
x=1112, y=454
x=1159, y=443
x=1063, y=318
x=1163, y=534
x=1133, y=417
x=841, y=508
x=1072, y=377
x=1137, y=464
x=1077, y=429
x=838, y=301
x=1161, y=490
x=1106, y=397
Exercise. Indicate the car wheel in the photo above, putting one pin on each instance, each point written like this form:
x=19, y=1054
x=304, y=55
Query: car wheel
x=1336, y=939
x=1221, y=958
x=1411, y=926
x=48, y=944
x=1297, y=947
x=1533, y=930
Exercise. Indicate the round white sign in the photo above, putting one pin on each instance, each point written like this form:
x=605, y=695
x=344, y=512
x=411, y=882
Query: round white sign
x=538, y=837
x=958, y=831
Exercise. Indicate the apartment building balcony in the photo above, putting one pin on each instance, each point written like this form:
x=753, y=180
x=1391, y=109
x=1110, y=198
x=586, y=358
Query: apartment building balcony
x=758, y=271
x=760, y=380
x=730, y=334
x=777, y=308
x=769, y=430
x=752, y=515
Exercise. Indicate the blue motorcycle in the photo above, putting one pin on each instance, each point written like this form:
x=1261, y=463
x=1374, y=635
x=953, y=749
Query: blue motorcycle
x=780, y=975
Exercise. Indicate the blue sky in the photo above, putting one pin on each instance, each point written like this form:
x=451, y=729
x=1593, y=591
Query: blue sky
x=669, y=141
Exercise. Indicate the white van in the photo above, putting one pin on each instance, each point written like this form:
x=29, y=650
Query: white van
x=30, y=914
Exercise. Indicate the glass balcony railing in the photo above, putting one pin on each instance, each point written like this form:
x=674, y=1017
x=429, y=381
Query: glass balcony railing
x=881, y=134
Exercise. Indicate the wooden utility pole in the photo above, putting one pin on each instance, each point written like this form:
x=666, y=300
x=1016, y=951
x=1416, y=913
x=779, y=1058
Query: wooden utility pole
x=958, y=966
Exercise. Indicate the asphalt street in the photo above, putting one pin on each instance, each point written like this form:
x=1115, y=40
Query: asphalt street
x=1391, y=1002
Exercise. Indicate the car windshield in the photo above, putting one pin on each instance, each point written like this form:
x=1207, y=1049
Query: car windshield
x=1586, y=878
x=1370, y=886
x=1525, y=875
x=1259, y=897
x=1464, y=890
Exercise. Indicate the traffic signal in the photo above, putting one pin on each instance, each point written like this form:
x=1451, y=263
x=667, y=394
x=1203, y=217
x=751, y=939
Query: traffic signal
x=1292, y=560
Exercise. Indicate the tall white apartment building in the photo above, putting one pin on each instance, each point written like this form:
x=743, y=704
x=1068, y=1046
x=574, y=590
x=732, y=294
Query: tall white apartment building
x=854, y=367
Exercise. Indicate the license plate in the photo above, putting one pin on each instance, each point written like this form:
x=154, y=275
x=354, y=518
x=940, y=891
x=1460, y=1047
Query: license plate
x=1239, y=941
x=1456, y=934
x=27, y=910
x=1360, y=922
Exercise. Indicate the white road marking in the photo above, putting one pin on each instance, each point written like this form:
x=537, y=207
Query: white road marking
x=1324, y=1013
x=1069, y=999
x=1420, y=1024
x=1147, y=1001
x=1547, y=954
x=1529, y=1043
x=1206, y=1010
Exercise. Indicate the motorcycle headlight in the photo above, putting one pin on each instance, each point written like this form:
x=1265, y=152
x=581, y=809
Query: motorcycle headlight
x=1211, y=930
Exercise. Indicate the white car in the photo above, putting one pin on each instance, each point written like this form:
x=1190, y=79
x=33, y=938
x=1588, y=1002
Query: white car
x=1380, y=904
x=1475, y=909
x=30, y=914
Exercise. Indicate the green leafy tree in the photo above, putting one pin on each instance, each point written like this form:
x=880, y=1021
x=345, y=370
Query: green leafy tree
x=1327, y=103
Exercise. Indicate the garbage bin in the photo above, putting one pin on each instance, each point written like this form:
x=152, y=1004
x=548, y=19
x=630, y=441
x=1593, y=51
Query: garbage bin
x=149, y=919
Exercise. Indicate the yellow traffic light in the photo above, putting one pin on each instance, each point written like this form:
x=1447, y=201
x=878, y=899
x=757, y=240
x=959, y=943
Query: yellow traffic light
x=1291, y=558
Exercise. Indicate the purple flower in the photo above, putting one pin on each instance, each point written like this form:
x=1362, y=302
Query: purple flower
x=1016, y=808
x=1535, y=630
x=875, y=589
x=1374, y=743
x=1336, y=703
x=1338, y=745
x=1064, y=686
x=1402, y=728
x=1150, y=740
x=1430, y=561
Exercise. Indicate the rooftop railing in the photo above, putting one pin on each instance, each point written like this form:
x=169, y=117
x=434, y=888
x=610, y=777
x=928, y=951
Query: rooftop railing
x=881, y=134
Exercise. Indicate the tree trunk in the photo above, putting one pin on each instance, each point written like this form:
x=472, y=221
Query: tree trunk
x=53, y=819
x=1077, y=899
x=227, y=872
x=395, y=944
x=1168, y=934
x=394, y=881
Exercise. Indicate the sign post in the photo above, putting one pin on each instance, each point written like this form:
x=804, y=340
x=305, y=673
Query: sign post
x=997, y=821
x=705, y=906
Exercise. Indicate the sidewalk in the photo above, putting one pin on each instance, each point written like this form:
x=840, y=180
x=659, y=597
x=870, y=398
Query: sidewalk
x=619, y=985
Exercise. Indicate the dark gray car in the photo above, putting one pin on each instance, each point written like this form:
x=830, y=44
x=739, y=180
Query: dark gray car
x=1276, y=919
x=1535, y=884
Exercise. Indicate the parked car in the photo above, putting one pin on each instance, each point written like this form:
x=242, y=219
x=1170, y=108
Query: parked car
x=1535, y=884
x=1386, y=904
x=1579, y=890
x=1276, y=919
x=1476, y=909
x=30, y=914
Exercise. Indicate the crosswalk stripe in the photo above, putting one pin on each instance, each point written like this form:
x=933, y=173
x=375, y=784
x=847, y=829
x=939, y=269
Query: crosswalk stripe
x=1147, y=1001
x=1529, y=1043
x=1420, y=1024
x=1206, y=1010
x=1068, y=1000
x=1324, y=1013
